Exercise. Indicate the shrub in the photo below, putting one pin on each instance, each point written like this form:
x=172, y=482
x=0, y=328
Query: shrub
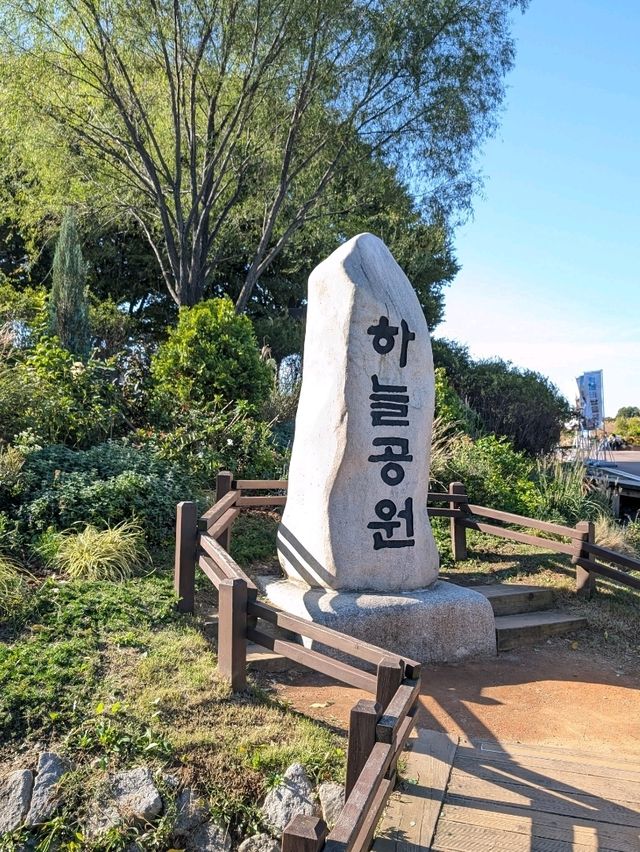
x=210, y=440
x=61, y=400
x=211, y=354
x=68, y=305
x=11, y=462
x=611, y=534
x=494, y=473
x=628, y=428
x=102, y=486
x=563, y=495
x=111, y=554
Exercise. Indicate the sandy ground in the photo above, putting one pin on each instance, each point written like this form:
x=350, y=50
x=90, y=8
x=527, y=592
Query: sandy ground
x=548, y=695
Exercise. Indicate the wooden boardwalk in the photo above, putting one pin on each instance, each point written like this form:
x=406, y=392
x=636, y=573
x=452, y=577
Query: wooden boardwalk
x=486, y=796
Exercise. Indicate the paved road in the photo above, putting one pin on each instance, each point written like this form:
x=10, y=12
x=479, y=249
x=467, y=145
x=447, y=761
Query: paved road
x=628, y=460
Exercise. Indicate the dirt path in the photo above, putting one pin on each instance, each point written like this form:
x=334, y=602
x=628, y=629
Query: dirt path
x=550, y=695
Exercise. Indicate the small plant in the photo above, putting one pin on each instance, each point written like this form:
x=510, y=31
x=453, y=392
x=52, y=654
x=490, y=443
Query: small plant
x=111, y=554
x=611, y=534
x=563, y=495
x=13, y=588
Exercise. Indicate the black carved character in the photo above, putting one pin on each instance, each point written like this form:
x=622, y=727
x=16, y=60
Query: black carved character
x=386, y=510
x=384, y=338
x=392, y=472
x=389, y=404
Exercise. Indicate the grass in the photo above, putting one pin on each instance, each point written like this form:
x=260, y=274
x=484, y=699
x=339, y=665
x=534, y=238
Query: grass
x=112, y=554
x=13, y=589
x=111, y=676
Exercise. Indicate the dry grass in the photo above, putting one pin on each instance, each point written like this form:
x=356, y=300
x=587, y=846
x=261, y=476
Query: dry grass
x=13, y=587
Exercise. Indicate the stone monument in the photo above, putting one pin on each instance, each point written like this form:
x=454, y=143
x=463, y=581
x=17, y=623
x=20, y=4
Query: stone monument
x=355, y=540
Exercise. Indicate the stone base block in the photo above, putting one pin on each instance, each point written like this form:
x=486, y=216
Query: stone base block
x=440, y=624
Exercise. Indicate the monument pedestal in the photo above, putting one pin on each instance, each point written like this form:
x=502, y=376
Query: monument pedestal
x=440, y=624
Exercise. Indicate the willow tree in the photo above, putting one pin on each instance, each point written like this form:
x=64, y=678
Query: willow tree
x=190, y=117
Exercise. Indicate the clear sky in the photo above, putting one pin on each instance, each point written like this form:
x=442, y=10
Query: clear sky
x=550, y=275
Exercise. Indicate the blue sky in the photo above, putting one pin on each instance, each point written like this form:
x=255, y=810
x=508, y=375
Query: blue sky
x=550, y=275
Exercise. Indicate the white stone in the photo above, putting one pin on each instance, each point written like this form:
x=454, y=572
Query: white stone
x=209, y=838
x=443, y=623
x=44, y=799
x=191, y=812
x=331, y=797
x=326, y=539
x=135, y=794
x=292, y=797
x=259, y=843
x=15, y=795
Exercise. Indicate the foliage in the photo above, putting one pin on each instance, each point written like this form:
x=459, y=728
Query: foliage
x=22, y=313
x=214, y=439
x=62, y=400
x=13, y=589
x=420, y=88
x=68, y=305
x=254, y=538
x=628, y=411
x=494, y=474
x=111, y=554
x=610, y=533
x=105, y=485
x=210, y=355
x=450, y=409
x=11, y=463
x=628, y=428
x=563, y=495
x=111, y=328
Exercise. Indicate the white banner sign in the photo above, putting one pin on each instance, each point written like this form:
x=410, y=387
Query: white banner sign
x=591, y=399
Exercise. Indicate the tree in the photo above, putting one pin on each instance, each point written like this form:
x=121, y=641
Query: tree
x=68, y=305
x=191, y=119
x=628, y=411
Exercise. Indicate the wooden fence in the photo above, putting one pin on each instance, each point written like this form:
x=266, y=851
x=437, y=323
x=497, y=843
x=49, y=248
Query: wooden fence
x=378, y=728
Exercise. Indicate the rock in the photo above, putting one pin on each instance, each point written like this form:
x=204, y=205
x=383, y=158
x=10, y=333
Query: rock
x=259, y=843
x=103, y=815
x=15, y=795
x=208, y=838
x=292, y=797
x=136, y=796
x=191, y=813
x=331, y=801
x=44, y=800
x=444, y=623
x=356, y=514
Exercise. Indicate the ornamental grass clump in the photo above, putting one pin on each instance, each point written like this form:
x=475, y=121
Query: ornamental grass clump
x=115, y=553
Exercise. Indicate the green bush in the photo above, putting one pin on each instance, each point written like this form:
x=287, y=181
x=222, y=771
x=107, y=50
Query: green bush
x=102, y=486
x=563, y=495
x=59, y=399
x=226, y=438
x=628, y=428
x=494, y=474
x=211, y=354
x=112, y=554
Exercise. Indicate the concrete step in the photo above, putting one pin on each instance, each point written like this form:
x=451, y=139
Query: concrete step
x=516, y=631
x=512, y=598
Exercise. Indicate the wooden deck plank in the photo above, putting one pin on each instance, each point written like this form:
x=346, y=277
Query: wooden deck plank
x=537, y=824
x=609, y=759
x=553, y=778
x=467, y=787
x=542, y=762
x=410, y=818
x=455, y=837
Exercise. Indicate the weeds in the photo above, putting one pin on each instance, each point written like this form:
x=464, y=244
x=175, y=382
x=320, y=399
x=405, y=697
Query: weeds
x=13, y=589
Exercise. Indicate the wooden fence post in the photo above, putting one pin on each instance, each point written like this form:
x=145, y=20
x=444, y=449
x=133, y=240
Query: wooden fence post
x=458, y=531
x=304, y=834
x=585, y=580
x=223, y=486
x=232, y=632
x=184, y=575
x=362, y=738
x=390, y=673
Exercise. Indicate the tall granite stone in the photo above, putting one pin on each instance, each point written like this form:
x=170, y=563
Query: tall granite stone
x=355, y=539
x=356, y=514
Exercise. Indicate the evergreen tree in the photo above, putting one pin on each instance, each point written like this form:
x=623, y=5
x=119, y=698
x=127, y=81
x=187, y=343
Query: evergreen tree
x=68, y=305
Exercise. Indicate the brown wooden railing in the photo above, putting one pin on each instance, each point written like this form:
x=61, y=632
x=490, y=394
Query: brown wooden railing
x=378, y=729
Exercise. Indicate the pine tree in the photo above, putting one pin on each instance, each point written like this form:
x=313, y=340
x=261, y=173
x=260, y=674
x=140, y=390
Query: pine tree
x=68, y=305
